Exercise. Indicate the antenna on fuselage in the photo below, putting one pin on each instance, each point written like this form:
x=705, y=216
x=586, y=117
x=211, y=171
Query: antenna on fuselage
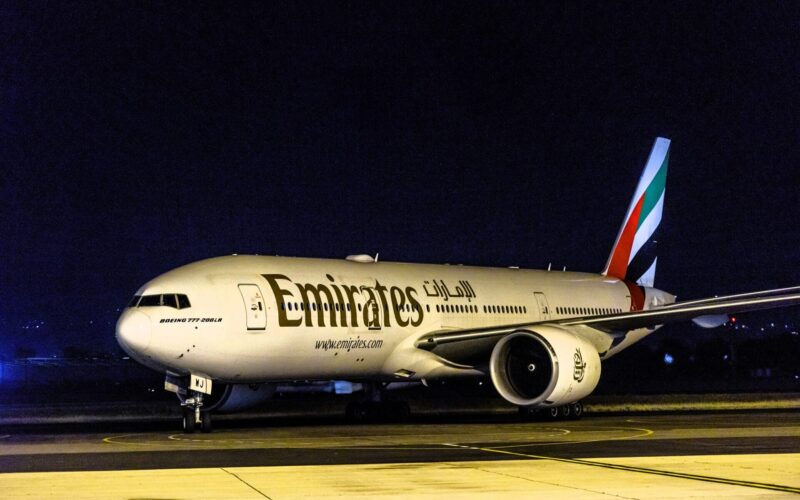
x=376, y=256
x=549, y=265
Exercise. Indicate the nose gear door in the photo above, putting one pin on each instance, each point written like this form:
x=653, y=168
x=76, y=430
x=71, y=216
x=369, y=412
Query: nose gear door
x=255, y=308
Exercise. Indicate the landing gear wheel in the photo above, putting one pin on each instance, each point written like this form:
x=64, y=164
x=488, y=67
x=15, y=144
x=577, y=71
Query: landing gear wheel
x=553, y=413
x=577, y=410
x=564, y=412
x=205, y=421
x=188, y=420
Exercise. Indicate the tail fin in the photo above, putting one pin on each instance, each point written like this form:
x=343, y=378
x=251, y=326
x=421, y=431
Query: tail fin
x=633, y=257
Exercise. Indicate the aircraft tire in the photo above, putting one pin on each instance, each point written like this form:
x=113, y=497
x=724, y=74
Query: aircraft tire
x=205, y=422
x=188, y=421
x=577, y=410
x=553, y=413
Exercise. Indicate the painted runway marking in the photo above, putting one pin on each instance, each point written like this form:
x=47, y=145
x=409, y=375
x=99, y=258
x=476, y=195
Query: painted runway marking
x=233, y=439
x=643, y=470
x=643, y=433
x=246, y=483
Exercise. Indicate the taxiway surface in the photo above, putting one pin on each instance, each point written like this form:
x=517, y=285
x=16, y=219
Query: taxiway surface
x=749, y=452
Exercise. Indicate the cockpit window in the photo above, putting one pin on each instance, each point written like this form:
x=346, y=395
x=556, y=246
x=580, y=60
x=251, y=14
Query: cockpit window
x=183, y=301
x=168, y=299
x=150, y=301
x=176, y=301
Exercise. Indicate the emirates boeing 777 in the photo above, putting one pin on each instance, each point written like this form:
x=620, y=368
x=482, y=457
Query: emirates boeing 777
x=225, y=330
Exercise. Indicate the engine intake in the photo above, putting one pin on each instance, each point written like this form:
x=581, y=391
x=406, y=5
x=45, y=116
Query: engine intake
x=550, y=366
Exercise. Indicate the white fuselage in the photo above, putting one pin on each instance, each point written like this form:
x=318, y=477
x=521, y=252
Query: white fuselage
x=256, y=319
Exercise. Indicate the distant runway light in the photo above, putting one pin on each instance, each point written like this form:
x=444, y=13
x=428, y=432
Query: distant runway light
x=668, y=359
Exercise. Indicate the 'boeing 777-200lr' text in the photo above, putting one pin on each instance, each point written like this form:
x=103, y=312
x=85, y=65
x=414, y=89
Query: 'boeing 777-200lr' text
x=226, y=330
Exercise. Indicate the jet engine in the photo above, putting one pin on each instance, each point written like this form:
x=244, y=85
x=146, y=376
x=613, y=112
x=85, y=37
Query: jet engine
x=236, y=397
x=549, y=366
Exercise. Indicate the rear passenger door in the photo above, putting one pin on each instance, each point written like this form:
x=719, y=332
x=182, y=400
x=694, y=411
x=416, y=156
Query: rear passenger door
x=255, y=308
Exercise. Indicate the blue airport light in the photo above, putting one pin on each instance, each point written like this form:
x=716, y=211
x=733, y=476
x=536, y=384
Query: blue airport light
x=668, y=359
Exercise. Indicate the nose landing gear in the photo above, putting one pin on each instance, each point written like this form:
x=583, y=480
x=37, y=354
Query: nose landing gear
x=190, y=391
x=194, y=416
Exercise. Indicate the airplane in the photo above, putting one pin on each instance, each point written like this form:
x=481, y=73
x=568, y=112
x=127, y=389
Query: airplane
x=226, y=330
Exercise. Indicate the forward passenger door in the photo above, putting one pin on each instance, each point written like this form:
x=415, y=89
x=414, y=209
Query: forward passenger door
x=255, y=308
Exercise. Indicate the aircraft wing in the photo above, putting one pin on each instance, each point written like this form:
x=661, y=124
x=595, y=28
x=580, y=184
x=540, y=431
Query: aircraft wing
x=620, y=323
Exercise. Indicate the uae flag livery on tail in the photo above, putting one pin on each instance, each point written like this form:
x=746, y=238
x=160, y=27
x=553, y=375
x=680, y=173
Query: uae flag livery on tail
x=633, y=257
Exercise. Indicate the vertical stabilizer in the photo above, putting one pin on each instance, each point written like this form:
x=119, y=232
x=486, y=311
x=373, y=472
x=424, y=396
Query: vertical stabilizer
x=633, y=257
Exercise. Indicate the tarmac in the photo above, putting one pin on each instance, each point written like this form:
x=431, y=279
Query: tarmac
x=635, y=454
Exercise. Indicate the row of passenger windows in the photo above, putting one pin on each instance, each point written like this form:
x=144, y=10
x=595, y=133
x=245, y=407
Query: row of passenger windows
x=440, y=308
x=588, y=310
x=175, y=300
x=456, y=308
x=301, y=306
x=506, y=309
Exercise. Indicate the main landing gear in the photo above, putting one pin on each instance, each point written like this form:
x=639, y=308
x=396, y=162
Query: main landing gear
x=571, y=411
x=375, y=407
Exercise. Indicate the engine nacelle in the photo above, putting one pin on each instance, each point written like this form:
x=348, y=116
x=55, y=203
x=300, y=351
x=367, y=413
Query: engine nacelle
x=550, y=366
x=237, y=397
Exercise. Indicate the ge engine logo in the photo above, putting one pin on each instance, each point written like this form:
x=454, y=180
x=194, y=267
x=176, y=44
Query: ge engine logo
x=580, y=366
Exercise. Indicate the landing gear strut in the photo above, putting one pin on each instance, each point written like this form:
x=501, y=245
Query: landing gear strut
x=571, y=411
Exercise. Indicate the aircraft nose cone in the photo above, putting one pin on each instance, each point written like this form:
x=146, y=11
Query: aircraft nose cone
x=133, y=331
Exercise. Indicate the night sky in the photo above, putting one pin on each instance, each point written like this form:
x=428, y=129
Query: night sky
x=136, y=138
